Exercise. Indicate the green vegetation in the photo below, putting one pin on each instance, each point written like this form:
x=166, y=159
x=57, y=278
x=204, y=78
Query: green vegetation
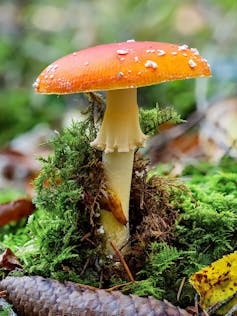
x=205, y=230
x=178, y=226
x=5, y=311
x=62, y=239
x=150, y=119
x=64, y=220
x=157, y=276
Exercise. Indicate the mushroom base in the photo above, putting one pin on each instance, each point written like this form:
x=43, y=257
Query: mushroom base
x=114, y=232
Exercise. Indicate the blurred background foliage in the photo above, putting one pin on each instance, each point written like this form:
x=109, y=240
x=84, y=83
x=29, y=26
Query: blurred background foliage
x=35, y=33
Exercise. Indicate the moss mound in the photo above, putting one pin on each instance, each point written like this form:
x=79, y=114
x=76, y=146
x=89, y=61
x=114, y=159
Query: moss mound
x=176, y=228
x=67, y=241
x=205, y=230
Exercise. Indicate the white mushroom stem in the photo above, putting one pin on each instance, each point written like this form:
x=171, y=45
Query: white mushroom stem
x=119, y=135
x=118, y=169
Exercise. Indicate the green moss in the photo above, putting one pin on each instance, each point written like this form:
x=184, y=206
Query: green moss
x=205, y=230
x=151, y=119
x=208, y=220
x=174, y=232
x=60, y=239
x=227, y=164
x=158, y=277
x=66, y=195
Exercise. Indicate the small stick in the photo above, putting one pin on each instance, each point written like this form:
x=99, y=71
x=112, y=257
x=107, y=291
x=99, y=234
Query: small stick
x=86, y=236
x=232, y=311
x=86, y=286
x=118, y=286
x=85, y=266
x=3, y=294
x=196, y=305
x=205, y=313
x=121, y=258
x=180, y=288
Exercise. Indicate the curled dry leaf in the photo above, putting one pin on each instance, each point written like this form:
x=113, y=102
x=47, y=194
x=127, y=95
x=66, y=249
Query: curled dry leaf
x=9, y=260
x=15, y=210
x=111, y=202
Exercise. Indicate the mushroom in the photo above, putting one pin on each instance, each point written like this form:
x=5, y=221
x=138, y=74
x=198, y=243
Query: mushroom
x=120, y=68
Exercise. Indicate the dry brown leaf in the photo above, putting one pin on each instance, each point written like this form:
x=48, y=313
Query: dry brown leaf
x=111, y=203
x=9, y=260
x=15, y=210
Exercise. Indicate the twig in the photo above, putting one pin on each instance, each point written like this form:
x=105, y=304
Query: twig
x=121, y=258
x=205, y=313
x=196, y=304
x=180, y=288
x=89, y=287
x=232, y=311
x=3, y=294
x=85, y=266
x=118, y=286
x=85, y=236
x=101, y=279
x=212, y=310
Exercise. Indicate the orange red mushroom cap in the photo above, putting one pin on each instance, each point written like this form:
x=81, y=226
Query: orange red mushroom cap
x=123, y=65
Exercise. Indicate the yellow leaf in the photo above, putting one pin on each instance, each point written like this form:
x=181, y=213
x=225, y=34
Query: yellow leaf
x=216, y=282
